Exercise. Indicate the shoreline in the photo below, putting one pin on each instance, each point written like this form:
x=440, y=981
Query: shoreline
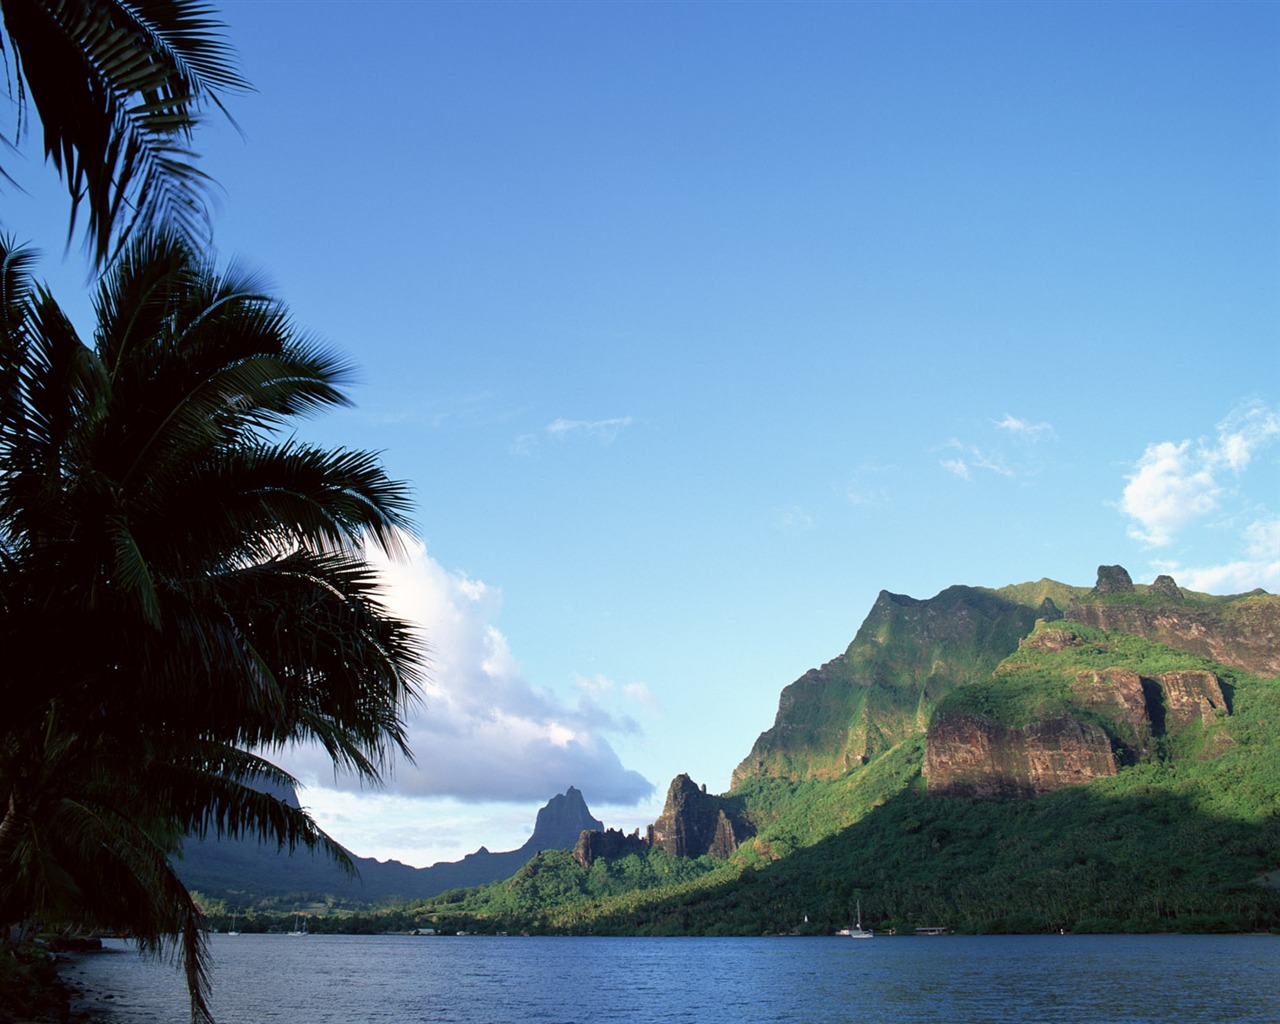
x=38, y=991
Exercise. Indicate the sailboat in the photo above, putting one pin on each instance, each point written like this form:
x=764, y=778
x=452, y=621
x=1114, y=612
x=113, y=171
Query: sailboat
x=232, y=929
x=296, y=929
x=856, y=931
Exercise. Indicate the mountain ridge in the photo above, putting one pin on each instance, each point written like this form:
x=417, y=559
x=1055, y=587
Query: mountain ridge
x=985, y=759
x=245, y=873
x=1110, y=781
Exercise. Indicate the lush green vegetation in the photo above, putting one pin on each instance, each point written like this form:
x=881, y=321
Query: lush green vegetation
x=1180, y=840
x=1034, y=594
x=1081, y=647
x=1185, y=837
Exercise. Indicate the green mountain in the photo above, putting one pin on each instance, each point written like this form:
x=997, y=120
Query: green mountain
x=1038, y=757
x=882, y=691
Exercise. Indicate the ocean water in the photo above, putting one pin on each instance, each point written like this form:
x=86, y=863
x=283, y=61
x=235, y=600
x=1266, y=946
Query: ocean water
x=1167, y=979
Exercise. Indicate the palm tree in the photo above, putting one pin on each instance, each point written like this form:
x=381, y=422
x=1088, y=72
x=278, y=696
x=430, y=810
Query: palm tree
x=182, y=589
x=118, y=86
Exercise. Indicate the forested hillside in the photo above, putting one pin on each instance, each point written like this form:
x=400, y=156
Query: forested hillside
x=984, y=761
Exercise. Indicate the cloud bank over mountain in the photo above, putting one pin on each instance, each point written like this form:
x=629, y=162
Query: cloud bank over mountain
x=483, y=731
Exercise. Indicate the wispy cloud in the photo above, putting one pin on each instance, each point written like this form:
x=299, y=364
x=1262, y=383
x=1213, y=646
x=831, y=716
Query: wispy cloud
x=867, y=487
x=602, y=687
x=1007, y=452
x=600, y=430
x=795, y=519
x=561, y=430
x=1024, y=428
x=1176, y=483
x=970, y=457
x=441, y=410
x=484, y=731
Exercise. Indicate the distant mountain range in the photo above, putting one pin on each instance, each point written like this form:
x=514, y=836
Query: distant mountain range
x=1036, y=757
x=244, y=873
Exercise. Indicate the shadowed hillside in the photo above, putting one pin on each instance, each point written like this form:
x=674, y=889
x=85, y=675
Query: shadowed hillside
x=976, y=763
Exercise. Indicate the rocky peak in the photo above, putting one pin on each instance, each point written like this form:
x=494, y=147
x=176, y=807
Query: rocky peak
x=1049, y=611
x=1166, y=587
x=694, y=823
x=1114, y=579
x=1191, y=697
x=561, y=822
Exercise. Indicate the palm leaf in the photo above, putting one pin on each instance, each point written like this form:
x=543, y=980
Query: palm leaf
x=118, y=88
x=214, y=578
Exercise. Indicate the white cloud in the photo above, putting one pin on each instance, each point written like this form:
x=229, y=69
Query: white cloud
x=601, y=430
x=1023, y=428
x=1015, y=459
x=1260, y=566
x=1170, y=487
x=418, y=830
x=483, y=731
x=991, y=463
x=642, y=695
x=561, y=430
x=1263, y=539
x=1175, y=484
x=603, y=688
x=867, y=488
x=1245, y=431
x=971, y=457
x=958, y=467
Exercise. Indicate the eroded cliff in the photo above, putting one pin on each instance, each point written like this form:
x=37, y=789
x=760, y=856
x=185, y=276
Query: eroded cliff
x=1243, y=633
x=1071, y=705
x=694, y=823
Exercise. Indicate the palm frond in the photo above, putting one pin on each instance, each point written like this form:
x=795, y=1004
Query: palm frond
x=118, y=88
x=214, y=578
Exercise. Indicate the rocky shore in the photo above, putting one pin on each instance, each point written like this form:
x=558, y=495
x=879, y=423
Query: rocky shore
x=35, y=989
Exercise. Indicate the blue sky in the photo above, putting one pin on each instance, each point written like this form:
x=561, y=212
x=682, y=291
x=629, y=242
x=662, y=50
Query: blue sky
x=695, y=325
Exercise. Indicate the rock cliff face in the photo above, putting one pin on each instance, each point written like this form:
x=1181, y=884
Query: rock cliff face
x=610, y=844
x=906, y=656
x=1243, y=632
x=1086, y=727
x=968, y=756
x=1062, y=712
x=1191, y=697
x=1123, y=696
x=694, y=824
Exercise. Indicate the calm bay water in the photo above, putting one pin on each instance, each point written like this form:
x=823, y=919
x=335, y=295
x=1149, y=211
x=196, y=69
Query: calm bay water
x=1174, y=979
